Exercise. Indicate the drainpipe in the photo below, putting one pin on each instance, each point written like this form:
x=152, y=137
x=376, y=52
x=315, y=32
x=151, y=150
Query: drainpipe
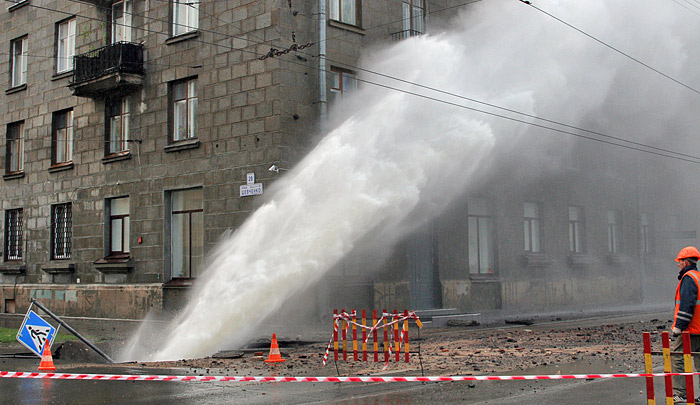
x=322, y=98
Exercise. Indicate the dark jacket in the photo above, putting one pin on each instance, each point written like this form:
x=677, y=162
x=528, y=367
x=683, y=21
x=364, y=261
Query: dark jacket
x=689, y=297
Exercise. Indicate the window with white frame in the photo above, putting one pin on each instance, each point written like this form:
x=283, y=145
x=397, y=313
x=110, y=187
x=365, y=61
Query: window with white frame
x=119, y=226
x=62, y=137
x=18, y=62
x=187, y=233
x=613, y=231
x=480, y=236
x=645, y=233
x=65, y=45
x=14, y=229
x=121, y=21
x=413, y=17
x=345, y=11
x=185, y=16
x=117, y=119
x=184, y=109
x=342, y=82
x=14, y=148
x=531, y=227
x=61, y=231
x=576, y=230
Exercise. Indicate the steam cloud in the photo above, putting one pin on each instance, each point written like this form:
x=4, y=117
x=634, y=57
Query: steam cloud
x=395, y=160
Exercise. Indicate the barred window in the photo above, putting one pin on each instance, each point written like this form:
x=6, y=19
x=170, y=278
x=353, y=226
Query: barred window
x=61, y=231
x=13, y=234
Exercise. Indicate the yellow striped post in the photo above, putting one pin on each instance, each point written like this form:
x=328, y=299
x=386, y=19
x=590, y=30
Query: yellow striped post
x=405, y=332
x=397, y=349
x=666, y=351
x=688, y=365
x=648, y=368
x=354, y=335
x=364, y=336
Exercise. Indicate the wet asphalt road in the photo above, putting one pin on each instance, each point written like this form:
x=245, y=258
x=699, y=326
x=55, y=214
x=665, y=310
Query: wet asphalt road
x=613, y=391
x=29, y=391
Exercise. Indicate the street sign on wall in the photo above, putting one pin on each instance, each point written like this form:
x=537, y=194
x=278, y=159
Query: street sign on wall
x=251, y=187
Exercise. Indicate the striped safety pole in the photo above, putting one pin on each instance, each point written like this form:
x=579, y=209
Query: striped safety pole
x=648, y=368
x=666, y=351
x=364, y=336
x=688, y=364
x=386, y=337
x=375, y=343
x=335, y=335
x=354, y=335
x=397, y=349
x=345, y=336
x=405, y=332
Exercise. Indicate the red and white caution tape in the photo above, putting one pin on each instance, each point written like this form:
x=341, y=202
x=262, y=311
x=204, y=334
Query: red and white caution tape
x=182, y=378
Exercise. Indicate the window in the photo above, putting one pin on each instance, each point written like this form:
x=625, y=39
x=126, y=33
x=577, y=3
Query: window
x=121, y=21
x=613, y=231
x=65, y=45
x=576, y=230
x=13, y=234
x=14, y=148
x=62, y=137
x=185, y=16
x=413, y=17
x=346, y=11
x=18, y=62
x=480, y=224
x=187, y=233
x=531, y=224
x=119, y=226
x=645, y=233
x=184, y=119
x=342, y=82
x=61, y=231
x=117, y=128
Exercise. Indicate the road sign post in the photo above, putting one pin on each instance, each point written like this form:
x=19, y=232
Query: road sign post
x=34, y=332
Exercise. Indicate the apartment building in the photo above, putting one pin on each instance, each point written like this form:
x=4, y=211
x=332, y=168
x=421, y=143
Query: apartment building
x=137, y=132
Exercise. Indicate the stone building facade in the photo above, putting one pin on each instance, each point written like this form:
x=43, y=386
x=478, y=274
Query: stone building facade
x=130, y=127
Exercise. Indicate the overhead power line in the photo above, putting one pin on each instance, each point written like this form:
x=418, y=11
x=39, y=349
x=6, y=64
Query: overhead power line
x=529, y=3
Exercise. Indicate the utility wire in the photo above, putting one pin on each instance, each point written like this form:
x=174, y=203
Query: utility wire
x=529, y=3
x=691, y=159
x=694, y=11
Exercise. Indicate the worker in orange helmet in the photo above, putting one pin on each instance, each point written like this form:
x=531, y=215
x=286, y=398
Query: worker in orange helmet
x=686, y=317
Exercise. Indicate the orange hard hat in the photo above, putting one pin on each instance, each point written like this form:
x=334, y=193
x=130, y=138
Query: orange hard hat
x=686, y=252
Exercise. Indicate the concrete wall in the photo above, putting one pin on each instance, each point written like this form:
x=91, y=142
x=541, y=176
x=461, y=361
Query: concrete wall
x=85, y=300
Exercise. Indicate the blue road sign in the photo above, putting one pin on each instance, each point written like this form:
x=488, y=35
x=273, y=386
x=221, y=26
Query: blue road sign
x=34, y=332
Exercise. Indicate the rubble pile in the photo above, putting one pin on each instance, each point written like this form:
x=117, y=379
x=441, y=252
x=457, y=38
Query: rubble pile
x=615, y=347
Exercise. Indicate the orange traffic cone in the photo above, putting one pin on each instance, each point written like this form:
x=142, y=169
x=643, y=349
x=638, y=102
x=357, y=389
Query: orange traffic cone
x=46, y=358
x=274, y=356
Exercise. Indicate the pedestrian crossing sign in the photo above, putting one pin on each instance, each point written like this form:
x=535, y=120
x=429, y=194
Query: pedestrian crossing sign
x=34, y=332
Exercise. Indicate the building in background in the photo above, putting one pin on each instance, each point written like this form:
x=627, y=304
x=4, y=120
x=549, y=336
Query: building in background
x=129, y=127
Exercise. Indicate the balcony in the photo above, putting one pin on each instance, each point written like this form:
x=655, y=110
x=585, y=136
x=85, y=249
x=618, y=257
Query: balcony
x=115, y=69
x=400, y=35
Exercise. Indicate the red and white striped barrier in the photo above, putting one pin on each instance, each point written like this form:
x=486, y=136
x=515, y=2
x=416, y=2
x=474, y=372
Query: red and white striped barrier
x=183, y=378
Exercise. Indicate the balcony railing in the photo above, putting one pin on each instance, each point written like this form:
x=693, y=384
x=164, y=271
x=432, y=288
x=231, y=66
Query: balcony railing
x=398, y=36
x=120, y=57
